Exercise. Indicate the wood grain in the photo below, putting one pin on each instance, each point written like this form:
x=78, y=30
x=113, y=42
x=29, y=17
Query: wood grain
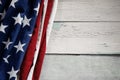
x=85, y=38
x=88, y=10
x=81, y=68
x=84, y=41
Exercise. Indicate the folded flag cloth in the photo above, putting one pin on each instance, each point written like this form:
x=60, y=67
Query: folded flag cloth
x=23, y=31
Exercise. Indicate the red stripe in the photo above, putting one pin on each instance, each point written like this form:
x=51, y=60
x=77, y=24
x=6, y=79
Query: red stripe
x=42, y=50
x=29, y=56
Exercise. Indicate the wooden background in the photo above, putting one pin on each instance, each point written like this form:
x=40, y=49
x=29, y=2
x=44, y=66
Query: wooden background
x=85, y=41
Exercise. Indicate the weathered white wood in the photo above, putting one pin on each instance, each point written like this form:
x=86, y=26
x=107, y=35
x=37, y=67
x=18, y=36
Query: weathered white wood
x=85, y=38
x=81, y=68
x=88, y=10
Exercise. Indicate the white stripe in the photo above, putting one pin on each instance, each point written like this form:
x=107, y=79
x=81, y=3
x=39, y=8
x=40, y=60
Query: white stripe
x=38, y=42
x=40, y=33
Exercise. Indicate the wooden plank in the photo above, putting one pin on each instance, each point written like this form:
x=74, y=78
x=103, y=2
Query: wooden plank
x=81, y=68
x=88, y=10
x=85, y=38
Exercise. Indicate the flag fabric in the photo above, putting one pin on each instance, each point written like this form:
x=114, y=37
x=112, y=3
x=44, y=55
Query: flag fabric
x=38, y=42
x=28, y=59
x=52, y=16
x=23, y=29
x=42, y=49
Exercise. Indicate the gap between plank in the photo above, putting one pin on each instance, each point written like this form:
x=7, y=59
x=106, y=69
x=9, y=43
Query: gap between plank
x=86, y=21
x=66, y=54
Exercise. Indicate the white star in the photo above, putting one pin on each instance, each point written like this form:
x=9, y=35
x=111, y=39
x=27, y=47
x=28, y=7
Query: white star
x=13, y=73
x=37, y=9
x=13, y=3
x=20, y=47
x=0, y=2
x=26, y=21
x=6, y=59
x=3, y=14
x=2, y=28
x=7, y=43
x=29, y=35
x=18, y=19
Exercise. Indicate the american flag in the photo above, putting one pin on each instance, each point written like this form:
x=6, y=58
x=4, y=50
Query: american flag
x=23, y=30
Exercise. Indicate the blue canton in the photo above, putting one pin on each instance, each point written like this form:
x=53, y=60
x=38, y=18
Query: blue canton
x=17, y=21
